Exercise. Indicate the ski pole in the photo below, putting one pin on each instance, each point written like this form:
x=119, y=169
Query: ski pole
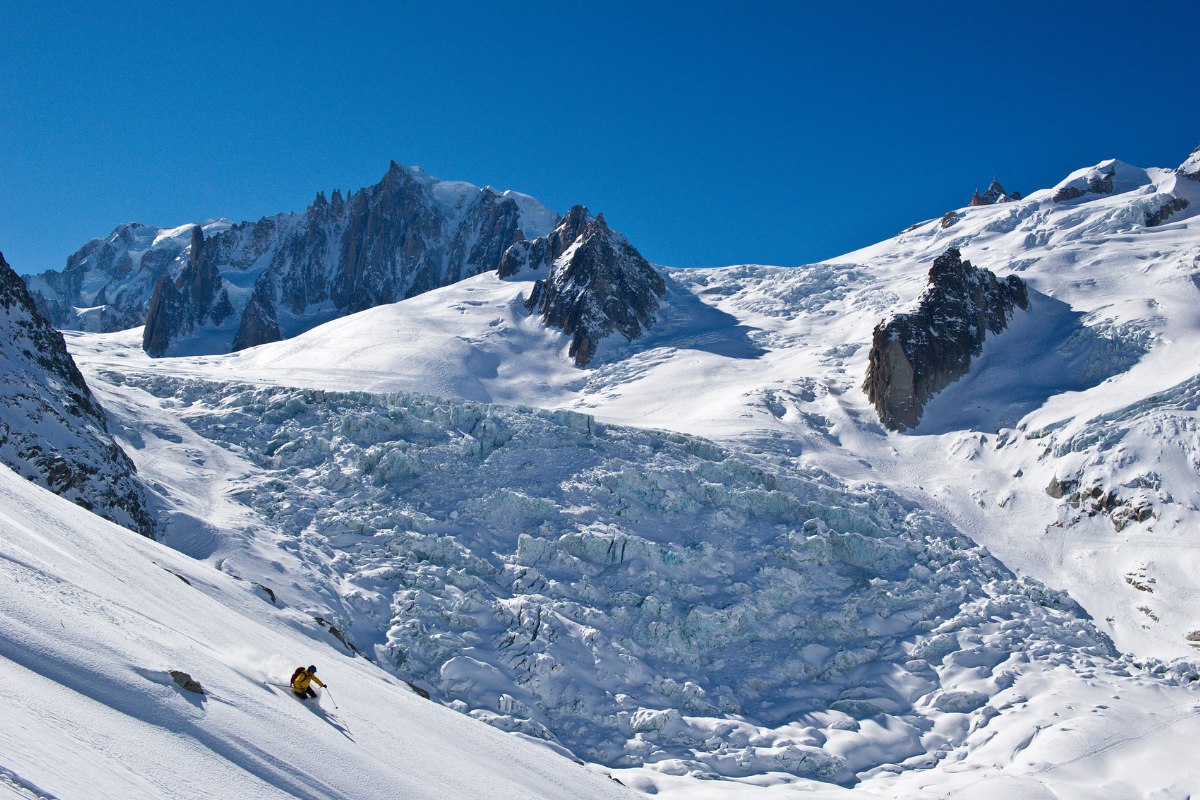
x=335, y=705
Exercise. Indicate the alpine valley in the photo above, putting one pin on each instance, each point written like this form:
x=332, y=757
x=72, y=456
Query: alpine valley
x=919, y=521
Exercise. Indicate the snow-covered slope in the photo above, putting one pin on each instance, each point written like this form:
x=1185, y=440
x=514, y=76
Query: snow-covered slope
x=95, y=618
x=653, y=602
x=808, y=596
x=1089, y=389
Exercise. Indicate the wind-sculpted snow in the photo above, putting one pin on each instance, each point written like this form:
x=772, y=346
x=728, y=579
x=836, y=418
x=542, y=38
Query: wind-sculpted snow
x=777, y=291
x=1097, y=475
x=638, y=597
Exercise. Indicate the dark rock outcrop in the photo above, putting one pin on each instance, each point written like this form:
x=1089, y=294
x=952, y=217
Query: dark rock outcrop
x=995, y=194
x=168, y=313
x=1068, y=193
x=915, y=355
x=1097, y=181
x=52, y=430
x=545, y=250
x=194, y=300
x=1167, y=210
x=598, y=283
x=186, y=681
x=1101, y=183
x=258, y=325
x=1191, y=167
x=949, y=218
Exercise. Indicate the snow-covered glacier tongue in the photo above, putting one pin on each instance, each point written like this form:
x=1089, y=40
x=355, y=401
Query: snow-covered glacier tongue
x=640, y=598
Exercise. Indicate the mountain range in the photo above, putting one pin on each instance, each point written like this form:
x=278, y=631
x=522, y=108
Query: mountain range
x=218, y=287
x=916, y=521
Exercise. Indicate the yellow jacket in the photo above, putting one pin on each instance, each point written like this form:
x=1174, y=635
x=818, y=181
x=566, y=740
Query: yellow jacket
x=302, y=681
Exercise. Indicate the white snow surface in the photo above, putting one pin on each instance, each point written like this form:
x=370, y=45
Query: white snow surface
x=713, y=572
x=775, y=357
x=95, y=617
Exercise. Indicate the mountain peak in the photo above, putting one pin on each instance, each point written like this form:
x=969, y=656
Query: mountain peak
x=995, y=194
x=598, y=285
x=917, y=354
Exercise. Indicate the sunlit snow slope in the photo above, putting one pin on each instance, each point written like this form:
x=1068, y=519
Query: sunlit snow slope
x=790, y=602
x=95, y=616
x=1093, y=388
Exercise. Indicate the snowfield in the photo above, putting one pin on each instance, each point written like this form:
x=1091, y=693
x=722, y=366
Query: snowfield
x=95, y=617
x=701, y=565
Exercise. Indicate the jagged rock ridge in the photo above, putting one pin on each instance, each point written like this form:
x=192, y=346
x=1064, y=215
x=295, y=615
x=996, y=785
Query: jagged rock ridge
x=254, y=282
x=52, y=430
x=598, y=283
x=231, y=286
x=194, y=299
x=995, y=194
x=401, y=237
x=915, y=355
x=107, y=283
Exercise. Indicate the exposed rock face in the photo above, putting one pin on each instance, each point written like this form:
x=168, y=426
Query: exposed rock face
x=258, y=325
x=1097, y=181
x=403, y=236
x=916, y=355
x=52, y=430
x=195, y=299
x=107, y=284
x=186, y=681
x=1166, y=211
x=168, y=310
x=545, y=250
x=995, y=194
x=598, y=284
x=950, y=217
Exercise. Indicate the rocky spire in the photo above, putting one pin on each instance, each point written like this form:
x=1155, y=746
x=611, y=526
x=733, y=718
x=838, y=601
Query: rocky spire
x=995, y=194
x=258, y=325
x=195, y=298
x=916, y=355
x=165, y=318
x=599, y=285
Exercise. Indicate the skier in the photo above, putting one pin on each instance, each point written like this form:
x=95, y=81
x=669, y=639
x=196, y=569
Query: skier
x=301, y=679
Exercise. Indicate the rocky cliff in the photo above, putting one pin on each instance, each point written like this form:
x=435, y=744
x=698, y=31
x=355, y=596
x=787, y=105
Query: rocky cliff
x=403, y=236
x=196, y=299
x=995, y=194
x=107, y=284
x=254, y=282
x=1096, y=181
x=598, y=283
x=917, y=354
x=52, y=430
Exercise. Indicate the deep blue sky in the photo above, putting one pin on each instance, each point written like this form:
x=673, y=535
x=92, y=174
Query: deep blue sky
x=709, y=134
